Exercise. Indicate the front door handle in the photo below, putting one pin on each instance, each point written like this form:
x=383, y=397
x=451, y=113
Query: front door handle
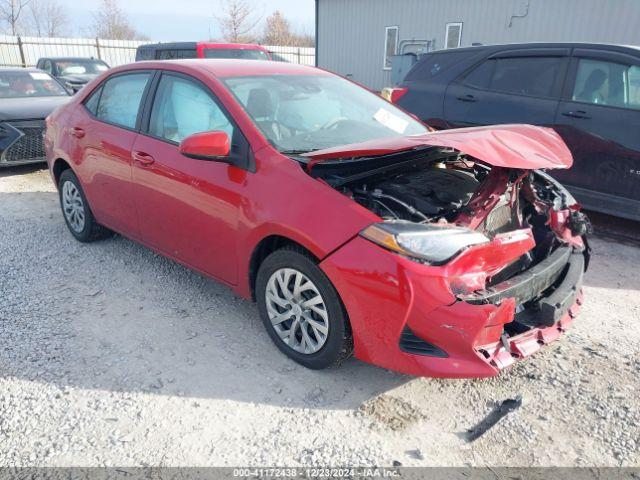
x=467, y=98
x=142, y=158
x=577, y=114
x=77, y=132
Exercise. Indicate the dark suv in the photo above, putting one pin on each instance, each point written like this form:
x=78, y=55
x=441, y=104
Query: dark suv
x=589, y=93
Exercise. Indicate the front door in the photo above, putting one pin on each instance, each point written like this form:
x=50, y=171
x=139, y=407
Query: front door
x=188, y=208
x=600, y=120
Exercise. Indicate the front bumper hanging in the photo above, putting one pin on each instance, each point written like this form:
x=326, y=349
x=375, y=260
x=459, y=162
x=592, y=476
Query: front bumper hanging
x=542, y=298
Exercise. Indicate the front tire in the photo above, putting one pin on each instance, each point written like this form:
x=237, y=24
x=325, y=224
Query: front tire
x=76, y=211
x=302, y=311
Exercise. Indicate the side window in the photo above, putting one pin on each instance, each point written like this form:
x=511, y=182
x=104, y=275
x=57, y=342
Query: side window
x=533, y=76
x=121, y=97
x=433, y=64
x=47, y=67
x=172, y=54
x=182, y=108
x=480, y=77
x=165, y=54
x=92, y=102
x=187, y=53
x=607, y=83
x=144, y=54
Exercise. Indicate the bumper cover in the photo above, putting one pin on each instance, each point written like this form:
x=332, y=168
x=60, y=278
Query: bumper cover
x=529, y=289
x=387, y=295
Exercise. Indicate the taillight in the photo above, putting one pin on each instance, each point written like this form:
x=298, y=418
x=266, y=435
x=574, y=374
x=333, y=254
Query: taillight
x=393, y=94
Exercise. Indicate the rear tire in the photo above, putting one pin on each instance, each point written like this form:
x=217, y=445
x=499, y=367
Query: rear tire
x=302, y=311
x=76, y=211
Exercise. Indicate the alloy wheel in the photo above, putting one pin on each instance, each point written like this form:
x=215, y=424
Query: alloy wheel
x=297, y=310
x=73, y=206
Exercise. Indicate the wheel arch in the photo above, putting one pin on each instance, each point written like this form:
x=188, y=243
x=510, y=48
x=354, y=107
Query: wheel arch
x=264, y=248
x=59, y=166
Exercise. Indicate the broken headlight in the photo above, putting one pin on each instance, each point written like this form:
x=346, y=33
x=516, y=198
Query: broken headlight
x=433, y=244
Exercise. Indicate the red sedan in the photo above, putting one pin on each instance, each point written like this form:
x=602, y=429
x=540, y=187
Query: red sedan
x=354, y=227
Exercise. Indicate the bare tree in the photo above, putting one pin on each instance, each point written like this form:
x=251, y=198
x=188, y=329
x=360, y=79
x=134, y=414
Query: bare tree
x=48, y=18
x=109, y=21
x=304, y=39
x=10, y=11
x=237, y=21
x=277, y=30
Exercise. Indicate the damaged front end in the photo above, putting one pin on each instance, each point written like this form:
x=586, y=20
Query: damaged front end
x=504, y=238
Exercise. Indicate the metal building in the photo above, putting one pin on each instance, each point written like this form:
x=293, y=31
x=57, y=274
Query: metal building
x=357, y=38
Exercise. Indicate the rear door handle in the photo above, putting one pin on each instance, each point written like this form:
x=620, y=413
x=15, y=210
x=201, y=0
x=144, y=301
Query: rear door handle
x=142, y=158
x=577, y=114
x=77, y=132
x=467, y=98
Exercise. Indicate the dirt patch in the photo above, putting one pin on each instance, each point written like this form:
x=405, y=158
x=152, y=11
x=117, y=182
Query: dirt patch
x=392, y=412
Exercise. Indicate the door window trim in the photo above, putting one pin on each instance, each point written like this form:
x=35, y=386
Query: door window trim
x=100, y=87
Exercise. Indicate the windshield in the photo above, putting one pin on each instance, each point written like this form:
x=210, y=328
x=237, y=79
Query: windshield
x=29, y=84
x=235, y=53
x=81, y=67
x=303, y=113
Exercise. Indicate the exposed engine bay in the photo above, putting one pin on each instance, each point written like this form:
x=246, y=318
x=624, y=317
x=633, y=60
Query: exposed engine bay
x=443, y=187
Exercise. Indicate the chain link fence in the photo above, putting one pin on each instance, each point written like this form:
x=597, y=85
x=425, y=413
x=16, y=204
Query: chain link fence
x=25, y=51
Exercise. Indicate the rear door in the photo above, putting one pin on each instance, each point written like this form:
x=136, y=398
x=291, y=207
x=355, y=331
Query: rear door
x=104, y=131
x=517, y=86
x=599, y=120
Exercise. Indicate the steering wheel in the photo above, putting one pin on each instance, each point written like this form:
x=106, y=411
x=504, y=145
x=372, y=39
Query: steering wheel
x=333, y=123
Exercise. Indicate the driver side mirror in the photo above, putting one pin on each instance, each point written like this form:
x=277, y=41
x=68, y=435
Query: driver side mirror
x=214, y=145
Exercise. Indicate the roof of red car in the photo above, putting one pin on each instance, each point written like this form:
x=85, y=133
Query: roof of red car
x=229, y=67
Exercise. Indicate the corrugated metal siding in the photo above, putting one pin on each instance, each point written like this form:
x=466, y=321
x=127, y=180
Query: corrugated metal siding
x=351, y=32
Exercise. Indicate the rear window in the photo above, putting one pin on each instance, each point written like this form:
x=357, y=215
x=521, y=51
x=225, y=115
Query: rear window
x=433, y=64
x=235, y=53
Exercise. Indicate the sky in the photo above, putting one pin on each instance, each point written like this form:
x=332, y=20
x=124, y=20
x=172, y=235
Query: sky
x=168, y=20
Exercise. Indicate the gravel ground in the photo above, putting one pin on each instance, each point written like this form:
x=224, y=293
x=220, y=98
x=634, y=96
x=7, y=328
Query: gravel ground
x=113, y=355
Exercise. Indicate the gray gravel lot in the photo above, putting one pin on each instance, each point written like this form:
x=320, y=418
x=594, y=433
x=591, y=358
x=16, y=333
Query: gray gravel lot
x=113, y=355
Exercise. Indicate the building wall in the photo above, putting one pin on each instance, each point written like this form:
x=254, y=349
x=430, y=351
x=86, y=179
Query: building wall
x=351, y=33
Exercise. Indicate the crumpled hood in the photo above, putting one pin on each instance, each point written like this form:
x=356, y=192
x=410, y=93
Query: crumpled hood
x=510, y=146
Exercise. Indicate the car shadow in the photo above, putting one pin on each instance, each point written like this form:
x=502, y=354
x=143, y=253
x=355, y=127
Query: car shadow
x=21, y=169
x=113, y=315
